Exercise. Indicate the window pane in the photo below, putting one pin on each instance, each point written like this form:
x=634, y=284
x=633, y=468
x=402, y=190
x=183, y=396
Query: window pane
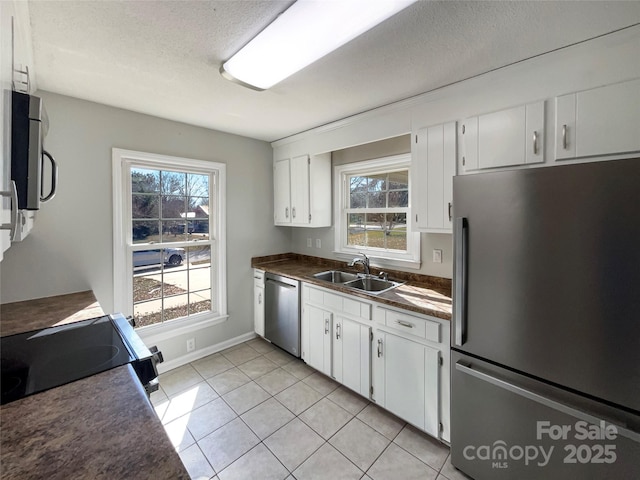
x=146, y=286
x=357, y=184
x=173, y=183
x=399, y=180
x=358, y=200
x=377, y=183
x=174, y=206
x=399, y=198
x=197, y=185
x=147, y=313
x=144, y=206
x=198, y=207
x=199, y=256
x=145, y=181
x=199, y=278
x=176, y=307
x=377, y=200
x=396, y=231
x=375, y=225
x=355, y=229
x=199, y=302
x=175, y=282
x=144, y=231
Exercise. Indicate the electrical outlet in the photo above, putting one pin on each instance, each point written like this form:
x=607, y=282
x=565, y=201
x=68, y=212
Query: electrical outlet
x=309, y=242
x=318, y=243
x=191, y=344
x=437, y=256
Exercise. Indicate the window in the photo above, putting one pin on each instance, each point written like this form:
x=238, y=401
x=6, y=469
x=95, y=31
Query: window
x=168, y=239
x=373, y=208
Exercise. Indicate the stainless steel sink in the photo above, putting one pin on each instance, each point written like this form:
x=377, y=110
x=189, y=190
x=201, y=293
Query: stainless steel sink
x=372, y=284
x=336, y=276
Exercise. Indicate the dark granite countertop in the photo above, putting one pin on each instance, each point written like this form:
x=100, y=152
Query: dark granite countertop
x=421, y=293
x=102, y=426
x=46, y=312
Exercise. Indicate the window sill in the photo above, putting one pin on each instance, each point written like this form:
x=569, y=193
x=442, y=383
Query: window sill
x=165, y=331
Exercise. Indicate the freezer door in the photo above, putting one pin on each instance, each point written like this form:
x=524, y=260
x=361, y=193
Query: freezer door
x=508, y=426
x=547, y=274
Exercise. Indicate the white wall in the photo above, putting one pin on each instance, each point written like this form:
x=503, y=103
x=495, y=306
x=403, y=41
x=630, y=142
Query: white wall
x=70, y=247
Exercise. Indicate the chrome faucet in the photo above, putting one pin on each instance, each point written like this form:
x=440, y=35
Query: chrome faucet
x=364, y=261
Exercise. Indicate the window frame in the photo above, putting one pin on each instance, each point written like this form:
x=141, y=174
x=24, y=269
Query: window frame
x=410, y=259
x=123, y=246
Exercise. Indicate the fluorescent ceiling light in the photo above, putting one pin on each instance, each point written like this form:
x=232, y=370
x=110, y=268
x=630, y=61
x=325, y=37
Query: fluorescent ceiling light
x=305, y=32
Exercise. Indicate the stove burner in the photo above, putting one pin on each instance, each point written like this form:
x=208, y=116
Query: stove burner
x=77, y=362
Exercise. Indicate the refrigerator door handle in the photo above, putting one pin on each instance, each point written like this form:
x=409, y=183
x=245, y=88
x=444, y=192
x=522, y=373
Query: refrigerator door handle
x=460, y=303
x=555, y=405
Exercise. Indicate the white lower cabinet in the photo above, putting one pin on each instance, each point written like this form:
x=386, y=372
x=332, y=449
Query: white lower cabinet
x=410, y=366
x=400, y=360
x=336, y=337
x=258, y=302
x=318, y=330
x=351, y=354
x=407, y=380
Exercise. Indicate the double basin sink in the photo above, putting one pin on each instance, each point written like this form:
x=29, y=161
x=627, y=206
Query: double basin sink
x=366, y=283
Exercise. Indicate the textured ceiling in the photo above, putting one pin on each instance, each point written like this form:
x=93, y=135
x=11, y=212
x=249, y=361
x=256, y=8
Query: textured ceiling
x=162, y=57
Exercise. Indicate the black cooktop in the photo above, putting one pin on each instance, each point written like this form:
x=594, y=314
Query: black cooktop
x=35, y=361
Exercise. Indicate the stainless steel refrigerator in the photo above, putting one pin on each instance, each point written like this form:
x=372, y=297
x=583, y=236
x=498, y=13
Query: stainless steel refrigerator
x=545, y=368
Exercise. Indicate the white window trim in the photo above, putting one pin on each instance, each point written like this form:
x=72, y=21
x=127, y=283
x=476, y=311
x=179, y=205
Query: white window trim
x=122, y=279
x=411, y=259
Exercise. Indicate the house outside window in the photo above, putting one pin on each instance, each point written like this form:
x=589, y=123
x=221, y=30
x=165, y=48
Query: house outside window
x=168, y=239
x=372, y=211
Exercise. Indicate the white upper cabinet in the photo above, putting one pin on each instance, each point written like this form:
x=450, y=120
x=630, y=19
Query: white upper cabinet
x=302, y=191
x=600, y=121
x=510, y=137
x=433, y=166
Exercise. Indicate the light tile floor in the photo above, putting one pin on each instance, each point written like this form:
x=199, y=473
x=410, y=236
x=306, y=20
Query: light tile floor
x=254, y=412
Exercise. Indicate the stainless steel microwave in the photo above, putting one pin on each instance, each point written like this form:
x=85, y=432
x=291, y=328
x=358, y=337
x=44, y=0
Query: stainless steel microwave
x=29, y=126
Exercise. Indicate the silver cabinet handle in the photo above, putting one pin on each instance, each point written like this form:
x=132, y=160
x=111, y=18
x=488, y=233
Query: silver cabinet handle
x=450, y=206
x=460, y=278
x=405, y=324
x=54, y=177
x=379, y=347
x=535, y=143
x=13, y=226
x=286, y=212
x=338, y=331
x=326, y=326
x=564, y=137
x=547, y=402
x=260, y=299
x=293, y=212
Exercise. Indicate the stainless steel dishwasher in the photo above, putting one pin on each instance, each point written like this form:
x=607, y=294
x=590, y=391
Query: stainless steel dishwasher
x=282, y=312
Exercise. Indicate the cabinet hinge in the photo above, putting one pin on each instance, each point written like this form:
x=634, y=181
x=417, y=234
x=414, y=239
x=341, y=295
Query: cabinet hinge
x=370, y=336
x=463, y=161
x=440, y=426
x=463, y=129
x=308, y=160
x=371, y=390
x=309, y=217
x=441, y=361
x=416, y=138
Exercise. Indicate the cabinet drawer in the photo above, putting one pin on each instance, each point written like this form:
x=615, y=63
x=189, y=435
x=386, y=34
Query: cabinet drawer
x=411, y=325
x=258, y=278
x=337, y=302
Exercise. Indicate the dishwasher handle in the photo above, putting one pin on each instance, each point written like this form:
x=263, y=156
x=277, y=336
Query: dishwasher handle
x=281, y=284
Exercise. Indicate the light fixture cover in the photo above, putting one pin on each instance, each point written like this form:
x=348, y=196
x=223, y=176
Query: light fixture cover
x=305, y=32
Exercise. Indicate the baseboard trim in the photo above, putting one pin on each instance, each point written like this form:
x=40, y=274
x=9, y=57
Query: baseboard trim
x=203, y=352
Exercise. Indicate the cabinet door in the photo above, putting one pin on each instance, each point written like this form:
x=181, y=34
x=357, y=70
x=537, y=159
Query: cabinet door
x=281, y=192
x=318, y=329
x=351, y=355
x=300, y=190
x=407, y=379
x=433, y=168
x=258, y=309
x=605, y=121
x=509, y=137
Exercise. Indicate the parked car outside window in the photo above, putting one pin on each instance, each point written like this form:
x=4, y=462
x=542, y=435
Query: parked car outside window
x=166, y=256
